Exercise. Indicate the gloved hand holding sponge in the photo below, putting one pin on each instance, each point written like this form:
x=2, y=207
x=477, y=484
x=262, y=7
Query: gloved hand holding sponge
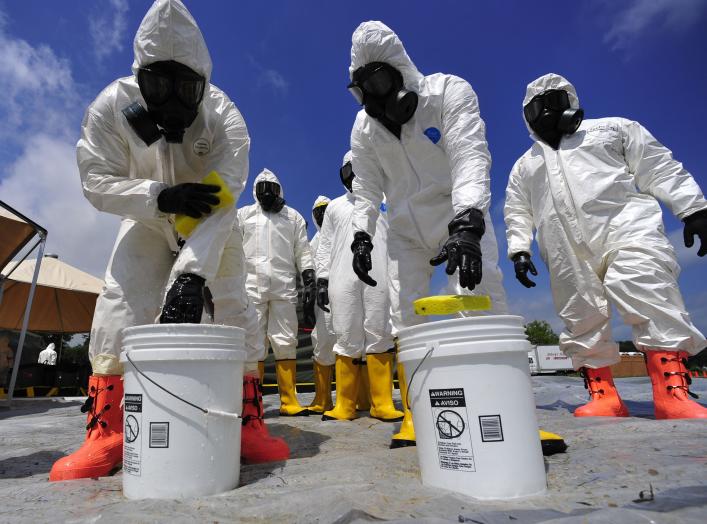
x=192, y=202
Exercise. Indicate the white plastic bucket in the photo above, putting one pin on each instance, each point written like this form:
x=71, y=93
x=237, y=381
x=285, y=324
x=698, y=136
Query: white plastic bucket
x=473, y=406
x=171, y=449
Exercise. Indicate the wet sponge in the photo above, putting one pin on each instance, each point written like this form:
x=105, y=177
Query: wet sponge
x=185, y=225
x=450, y=304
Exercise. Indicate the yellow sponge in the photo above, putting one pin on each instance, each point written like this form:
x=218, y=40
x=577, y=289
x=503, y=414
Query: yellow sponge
x=450, y=304
x=185, y=225
x=552, y=443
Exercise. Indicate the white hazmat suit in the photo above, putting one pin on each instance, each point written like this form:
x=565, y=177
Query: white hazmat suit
x=120, y=174
x=438, y=168
x=594, y=204
x=48, y=355
x=360, y=313
x=323, y=338
x=276, y=251
x=232, y=306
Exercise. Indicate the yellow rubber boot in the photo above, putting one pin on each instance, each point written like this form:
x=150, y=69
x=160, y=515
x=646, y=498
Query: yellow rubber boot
x=322, y=389
x=363, y=399
x=380, y=376
x=261, y=370
x=347, y=373
x=406, y=435
x=286, y=385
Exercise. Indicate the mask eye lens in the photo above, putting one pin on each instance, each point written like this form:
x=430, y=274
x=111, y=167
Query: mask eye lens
x=557, y=99
x=533, y=109
x=190, y=91
x=357, y=93
x=319, y=214
x=155, y=87
x=379, y=83
x=346, y=171
x=266, y=187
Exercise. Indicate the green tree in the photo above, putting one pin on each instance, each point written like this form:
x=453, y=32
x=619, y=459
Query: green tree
x=540, y=333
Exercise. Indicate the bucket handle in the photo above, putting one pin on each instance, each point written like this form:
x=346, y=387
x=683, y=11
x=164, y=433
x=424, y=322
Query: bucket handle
x=431, y=347
x=205, y=411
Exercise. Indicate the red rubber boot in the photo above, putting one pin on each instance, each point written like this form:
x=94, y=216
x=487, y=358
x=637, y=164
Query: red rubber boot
x=671, y=382
x=257, y=446
x=605, y=400
x=102, y=451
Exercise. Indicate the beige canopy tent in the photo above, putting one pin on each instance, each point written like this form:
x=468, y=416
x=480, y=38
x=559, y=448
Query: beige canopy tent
x=16, y=230
x=64, y=299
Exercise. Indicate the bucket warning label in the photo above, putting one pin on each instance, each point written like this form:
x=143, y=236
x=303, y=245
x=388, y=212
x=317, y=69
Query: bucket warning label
x=451, y=430
x=132, y=448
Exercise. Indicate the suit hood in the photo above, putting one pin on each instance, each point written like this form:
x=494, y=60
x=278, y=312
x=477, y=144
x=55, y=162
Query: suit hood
x=169, y=32
x=320, y=201
x=546, y=83
x=374, y=41
x=267, y=176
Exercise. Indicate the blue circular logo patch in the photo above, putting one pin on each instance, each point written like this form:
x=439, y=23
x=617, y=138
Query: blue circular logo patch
x=433, y=134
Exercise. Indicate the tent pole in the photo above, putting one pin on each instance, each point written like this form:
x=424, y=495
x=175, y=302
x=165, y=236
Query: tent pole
x=25, y=320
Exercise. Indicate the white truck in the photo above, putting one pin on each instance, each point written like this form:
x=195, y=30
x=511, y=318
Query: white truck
x=548, y=359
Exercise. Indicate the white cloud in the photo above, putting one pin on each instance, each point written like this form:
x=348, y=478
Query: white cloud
x=37, y=89
x=269, y=77
x=107, y=28
x=639, y=16
x=40, y=110
x=275, y=80
x=43, y=184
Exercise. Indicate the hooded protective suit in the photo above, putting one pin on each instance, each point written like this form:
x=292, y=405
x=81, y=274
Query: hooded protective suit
x=438, y=168
x=232, y=306
x=594, y=204
x=276, y=251
x=120, y=174
x=323, y=338
x=360, y=313
x=48, y=355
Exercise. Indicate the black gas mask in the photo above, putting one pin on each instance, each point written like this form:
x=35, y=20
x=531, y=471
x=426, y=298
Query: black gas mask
x=347, y=175
x=268, y=194
x=379, y=88
x=550, y=116
x=318, y=213
x=172, y=92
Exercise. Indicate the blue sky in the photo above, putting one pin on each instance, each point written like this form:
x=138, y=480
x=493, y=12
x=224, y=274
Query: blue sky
x=285, y=65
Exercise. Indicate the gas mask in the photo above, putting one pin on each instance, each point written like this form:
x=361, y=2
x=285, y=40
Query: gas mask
x=379, y=88
x=268, y=194
x=172, y=92
x=347, y=175
x=550, y=117
x=318, y=213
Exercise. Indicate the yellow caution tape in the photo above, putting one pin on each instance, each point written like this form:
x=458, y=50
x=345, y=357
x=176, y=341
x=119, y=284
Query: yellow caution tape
x=185, y=225
x=450, y=304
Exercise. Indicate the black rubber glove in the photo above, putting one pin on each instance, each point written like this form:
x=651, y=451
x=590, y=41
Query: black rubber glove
x=463, y=247
x=323, y=294
x=185, y=301
x=309, y=297
x=522, y=264
x=189, y=199
x=309, y=294
x=362, y=247
x=696, y=224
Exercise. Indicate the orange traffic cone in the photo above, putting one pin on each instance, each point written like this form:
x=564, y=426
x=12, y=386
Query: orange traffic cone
x=671, y=382
x=605, y=400
x=102, y=451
